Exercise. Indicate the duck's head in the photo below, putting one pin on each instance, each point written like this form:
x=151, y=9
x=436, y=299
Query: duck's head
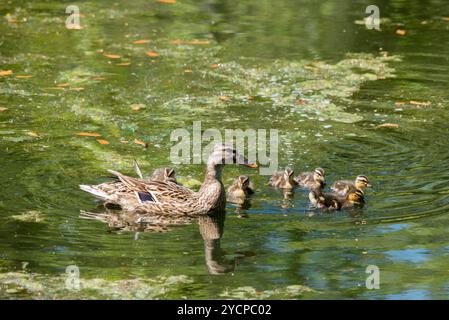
x=358, y=196
x=169, y=174
x=319, y=176
x=361, y=182
x=288, y=173
x=243, y=182
x=222, y=154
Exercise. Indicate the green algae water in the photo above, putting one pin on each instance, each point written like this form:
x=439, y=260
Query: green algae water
x=343, y=97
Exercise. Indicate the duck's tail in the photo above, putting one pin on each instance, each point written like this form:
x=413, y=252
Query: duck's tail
x=98, y=193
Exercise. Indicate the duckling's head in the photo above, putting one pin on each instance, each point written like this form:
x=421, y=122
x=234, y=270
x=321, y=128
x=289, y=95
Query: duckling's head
x=358, y=196
x=288, y=173
x=361, y=182
x=222, y=154
x=169, y=172
x=319, y=176
x=243, y=182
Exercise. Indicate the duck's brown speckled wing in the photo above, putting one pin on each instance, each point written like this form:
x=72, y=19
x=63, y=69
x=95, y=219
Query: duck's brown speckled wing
x=342, y=187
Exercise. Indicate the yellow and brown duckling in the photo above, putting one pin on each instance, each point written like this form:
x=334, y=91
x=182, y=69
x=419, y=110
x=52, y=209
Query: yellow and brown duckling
x=160, y=174
x=334, y=201
x=310, y=179
x=283, y=179
x=343, y=187
x=240, y=189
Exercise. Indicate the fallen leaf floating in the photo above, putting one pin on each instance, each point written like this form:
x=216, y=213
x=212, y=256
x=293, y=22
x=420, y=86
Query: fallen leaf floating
x=123, y=64
x=5, y=73
x=141, y=41
x=101, y=141
x=224, y=98
x=401, y=32
x=3, y=109
x=140, y=142
x=445, y=18
x=193, y=42
x=63, y=85
x=188, y=70
x=88, y=134
x=214, y=65
x=421, y=103
x=78, y=89
x=167, y=1
x=388, y=125
x=137, y=106
x=24, y=76
x=152, y=54
x=32, y=134
x=112, y=56
x=98, y=78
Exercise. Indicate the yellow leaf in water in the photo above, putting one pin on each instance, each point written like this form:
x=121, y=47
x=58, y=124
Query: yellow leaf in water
x=224, y=98
x=137, y=106
x=98, y=78
x=88, y=134
x=445, y=18
x=388, y=125
x=214, y=65
x=152, y=54
x=101, y=141
x=78, y=89
x=24, y=76
x=420, y=103
x=141, y=41
x=5, y=73
x=3, y=109
x=63, y=85
x=401, y=32
x=32, y=134
x=112, y=56
x=188, y=70
x=167, y=1
x=123, y=64
x=137, y=141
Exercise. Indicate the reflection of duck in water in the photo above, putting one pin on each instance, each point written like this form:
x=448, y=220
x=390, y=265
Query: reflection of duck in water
x=239, y=192
x=166, y=198
x=211, y=229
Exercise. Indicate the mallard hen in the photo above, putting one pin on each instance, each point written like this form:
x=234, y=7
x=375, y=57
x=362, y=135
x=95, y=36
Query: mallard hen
x=343, y=187
x=310, y=179
x=283, y=179
x=168, y=198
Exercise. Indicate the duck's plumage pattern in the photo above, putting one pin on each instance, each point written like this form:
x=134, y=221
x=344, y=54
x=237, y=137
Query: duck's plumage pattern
x=283, y=179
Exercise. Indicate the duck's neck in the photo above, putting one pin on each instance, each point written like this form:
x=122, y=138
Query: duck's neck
x=212, y=191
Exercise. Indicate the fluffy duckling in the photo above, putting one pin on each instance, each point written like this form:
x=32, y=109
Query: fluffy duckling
x=240, y=189
x=160, y=174
x=283, y=179
x=164, y=174
x=310, y=179
x=343, y=187
x=334, y=201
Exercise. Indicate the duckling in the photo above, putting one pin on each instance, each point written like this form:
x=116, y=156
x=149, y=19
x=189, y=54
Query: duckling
x=334, y=201
x=343, y=187
x=240, y=189
x=310, y=179
x=283, y=179
x=164, y=174
x=160, y=174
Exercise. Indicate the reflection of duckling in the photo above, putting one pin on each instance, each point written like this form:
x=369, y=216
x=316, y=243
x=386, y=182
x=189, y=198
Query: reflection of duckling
x=343, y=187
x=283, y=179
x=334, y=201
x=310, y=179
x=240, y=189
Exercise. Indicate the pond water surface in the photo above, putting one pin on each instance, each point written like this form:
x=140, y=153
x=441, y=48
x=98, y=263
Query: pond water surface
x=310, y=69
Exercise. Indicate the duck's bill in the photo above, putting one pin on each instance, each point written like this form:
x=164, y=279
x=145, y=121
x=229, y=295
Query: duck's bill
x=251, y=165
x=369, y=185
